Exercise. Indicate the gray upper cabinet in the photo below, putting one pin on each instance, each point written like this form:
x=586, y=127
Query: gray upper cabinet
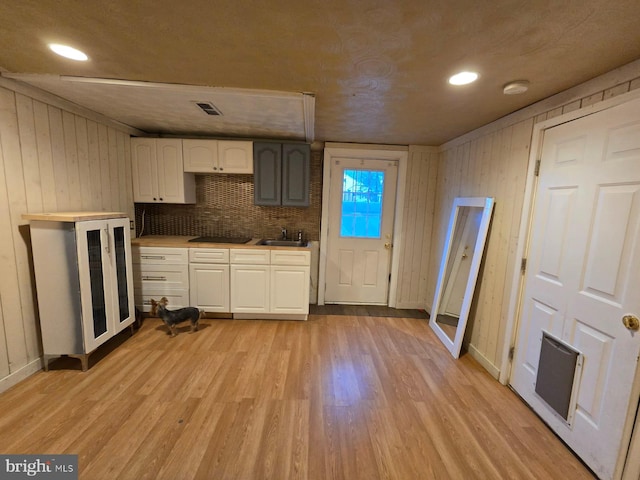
x=295, y=175
x=281, y=174
x=267, y=173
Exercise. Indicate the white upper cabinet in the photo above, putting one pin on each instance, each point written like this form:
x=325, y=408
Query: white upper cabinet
x=217, y=156
x=235, y=156
x=200, y=156
x=158, y=174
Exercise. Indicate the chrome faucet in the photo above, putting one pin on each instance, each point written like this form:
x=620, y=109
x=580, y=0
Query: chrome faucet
x=284, y=233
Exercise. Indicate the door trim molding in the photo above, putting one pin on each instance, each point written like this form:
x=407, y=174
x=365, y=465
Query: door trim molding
x=364, y=151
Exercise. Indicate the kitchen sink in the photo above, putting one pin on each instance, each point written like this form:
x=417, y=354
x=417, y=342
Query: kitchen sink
x=282, y=243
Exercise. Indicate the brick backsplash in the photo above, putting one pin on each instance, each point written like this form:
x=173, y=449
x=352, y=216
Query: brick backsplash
x=224, y=207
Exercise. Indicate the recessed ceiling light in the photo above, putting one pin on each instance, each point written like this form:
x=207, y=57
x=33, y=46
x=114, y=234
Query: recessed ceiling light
x=68, y=52
x=463, y=78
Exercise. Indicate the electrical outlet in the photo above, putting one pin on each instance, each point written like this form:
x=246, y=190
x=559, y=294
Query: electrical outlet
x=131, y=226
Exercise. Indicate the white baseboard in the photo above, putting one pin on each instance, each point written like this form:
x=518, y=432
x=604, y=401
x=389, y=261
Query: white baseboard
x=16, y=377
x=269, y=316
x=486, y=364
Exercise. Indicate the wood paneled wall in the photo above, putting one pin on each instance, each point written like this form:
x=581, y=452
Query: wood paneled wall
x=415, y=263
x=493, y=162
x=494, y=165
x=50, y=160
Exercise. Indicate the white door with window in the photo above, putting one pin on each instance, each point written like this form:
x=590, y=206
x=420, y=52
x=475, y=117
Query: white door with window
x=362, y=197
x=583, y=279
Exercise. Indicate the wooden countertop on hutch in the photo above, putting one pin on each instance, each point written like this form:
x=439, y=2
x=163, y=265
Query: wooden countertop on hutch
x=72, y=216
x=182, y=241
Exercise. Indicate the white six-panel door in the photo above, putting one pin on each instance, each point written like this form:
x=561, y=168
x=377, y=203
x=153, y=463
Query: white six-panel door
x=583, y=277
x=358, y=262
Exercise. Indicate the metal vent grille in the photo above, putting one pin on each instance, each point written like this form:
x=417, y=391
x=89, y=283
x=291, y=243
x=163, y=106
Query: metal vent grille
x=208, y=108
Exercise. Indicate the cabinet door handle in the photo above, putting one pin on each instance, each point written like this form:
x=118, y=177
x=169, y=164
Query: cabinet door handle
x=155, y=279
x=108, y=237
x=153, y=257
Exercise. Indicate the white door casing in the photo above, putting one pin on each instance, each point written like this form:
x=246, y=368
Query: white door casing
x=580, y=280
x=358, y=267
x=385, y=152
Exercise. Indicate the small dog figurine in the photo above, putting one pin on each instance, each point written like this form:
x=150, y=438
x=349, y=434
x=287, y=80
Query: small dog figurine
x=172, y=317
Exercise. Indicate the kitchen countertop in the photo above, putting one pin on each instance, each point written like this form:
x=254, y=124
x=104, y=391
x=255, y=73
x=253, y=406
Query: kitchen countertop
x=182, y=241
x=72, y=216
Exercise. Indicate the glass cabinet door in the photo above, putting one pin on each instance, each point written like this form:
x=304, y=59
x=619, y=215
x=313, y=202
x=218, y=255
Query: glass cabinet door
x=123, y=294
x=96, y=282
x=94, y=265
x=122, y=297
x=106, y=282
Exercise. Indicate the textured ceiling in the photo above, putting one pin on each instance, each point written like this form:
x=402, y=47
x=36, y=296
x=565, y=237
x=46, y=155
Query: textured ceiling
x=173, y=109
x=378, y=69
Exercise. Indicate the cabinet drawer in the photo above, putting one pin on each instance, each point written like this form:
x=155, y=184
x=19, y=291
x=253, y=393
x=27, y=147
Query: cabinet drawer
x=250, y=256
x=160, y=256
x=177, y=298
x=209, y=255
x=291, y=257
x=163, y=276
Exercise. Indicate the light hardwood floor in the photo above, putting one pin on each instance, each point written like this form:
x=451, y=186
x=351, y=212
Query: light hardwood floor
x=336, y=397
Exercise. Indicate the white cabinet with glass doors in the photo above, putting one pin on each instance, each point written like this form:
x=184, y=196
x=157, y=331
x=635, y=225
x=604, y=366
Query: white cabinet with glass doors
x=84, y=282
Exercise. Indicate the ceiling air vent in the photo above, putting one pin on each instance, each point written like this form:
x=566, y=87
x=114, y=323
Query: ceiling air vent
x=208, y=108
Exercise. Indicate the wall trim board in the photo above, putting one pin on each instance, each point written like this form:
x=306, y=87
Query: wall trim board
x=484, y=362
x=366, y=146
x=55, y=101
x=424, y=149
x=16, y=377
x=608, y=81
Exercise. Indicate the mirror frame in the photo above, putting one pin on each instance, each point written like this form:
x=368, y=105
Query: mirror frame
x=486, y=203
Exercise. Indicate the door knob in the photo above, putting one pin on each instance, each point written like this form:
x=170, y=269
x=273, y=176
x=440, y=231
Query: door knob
x=387, y=246
x=631, y=322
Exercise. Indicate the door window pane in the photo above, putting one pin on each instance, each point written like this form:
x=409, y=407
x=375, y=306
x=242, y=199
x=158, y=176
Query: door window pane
x=362, y=192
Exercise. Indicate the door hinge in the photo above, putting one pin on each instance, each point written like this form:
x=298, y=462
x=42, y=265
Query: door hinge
x=537, y=169
x=512, y=352
x=523, y=265
x=389, y=278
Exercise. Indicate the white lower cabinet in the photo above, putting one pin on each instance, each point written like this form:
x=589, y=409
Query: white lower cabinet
x=289, y=289
x=270, y=282
x=209, y=279
x=160, y=272
x=247, y=282
x=250, y=280
x=250, y=288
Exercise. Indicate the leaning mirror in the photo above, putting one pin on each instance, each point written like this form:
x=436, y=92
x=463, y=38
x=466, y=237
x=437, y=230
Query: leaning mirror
x=461, y=257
